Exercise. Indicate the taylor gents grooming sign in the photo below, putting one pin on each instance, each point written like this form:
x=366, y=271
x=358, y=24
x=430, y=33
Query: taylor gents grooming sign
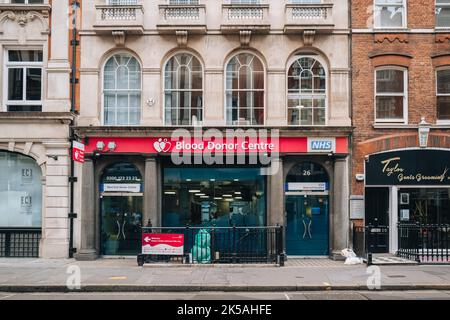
x=409, y=167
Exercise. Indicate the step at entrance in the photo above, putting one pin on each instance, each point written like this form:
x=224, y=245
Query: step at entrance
x=384, y=259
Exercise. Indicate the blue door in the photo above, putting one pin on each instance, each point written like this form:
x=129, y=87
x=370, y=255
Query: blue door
x=307, y=224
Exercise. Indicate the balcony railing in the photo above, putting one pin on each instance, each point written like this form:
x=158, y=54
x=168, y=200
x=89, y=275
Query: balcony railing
x=253, y=17
x=190, y=17
x=121, y=16
x=309, y=16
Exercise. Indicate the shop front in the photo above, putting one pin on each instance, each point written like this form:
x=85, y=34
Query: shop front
x=171, y=182
x=21, y=205
x=410, y=186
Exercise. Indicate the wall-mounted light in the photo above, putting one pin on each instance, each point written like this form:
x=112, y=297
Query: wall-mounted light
x=53, y=157
x=112, y=146
x=360, y=177
x=100, y=145
x=151, y=102
x=424, y=132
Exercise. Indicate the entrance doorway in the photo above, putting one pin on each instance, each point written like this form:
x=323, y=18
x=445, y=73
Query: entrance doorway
x=377, y=214
x=307, y=211
x=121, y=210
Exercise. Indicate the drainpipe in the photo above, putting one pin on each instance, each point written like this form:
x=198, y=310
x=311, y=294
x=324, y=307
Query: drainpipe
x=73, y=81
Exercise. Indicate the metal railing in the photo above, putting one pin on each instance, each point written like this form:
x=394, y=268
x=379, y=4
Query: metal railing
x=20, y=242
x=223, y=245
x=367, y=240
x=424, y=243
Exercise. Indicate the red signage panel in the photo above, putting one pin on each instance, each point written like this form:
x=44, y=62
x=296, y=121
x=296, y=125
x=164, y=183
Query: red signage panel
x=168, y=145
x=78, y=151
x=163, y=244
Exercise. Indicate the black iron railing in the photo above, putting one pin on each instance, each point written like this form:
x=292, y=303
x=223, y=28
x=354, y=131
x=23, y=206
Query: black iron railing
x=424, y=243
x=20, y=242
x=370, y=239
x=241, y=245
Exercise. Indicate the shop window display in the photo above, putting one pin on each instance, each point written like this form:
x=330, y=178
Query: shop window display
x=222, y=197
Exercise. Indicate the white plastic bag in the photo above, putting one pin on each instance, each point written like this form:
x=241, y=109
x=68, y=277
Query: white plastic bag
x=348, y=253
x=351, y=258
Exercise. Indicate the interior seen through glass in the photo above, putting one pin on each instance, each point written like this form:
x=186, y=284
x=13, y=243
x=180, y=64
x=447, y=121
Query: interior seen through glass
x=221, y=197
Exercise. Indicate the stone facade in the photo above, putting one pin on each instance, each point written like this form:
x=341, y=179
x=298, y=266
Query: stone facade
x=43, y=135
x=212, y=31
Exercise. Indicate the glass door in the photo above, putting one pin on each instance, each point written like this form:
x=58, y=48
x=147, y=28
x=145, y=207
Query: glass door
x=307, y=224
x=121, y=221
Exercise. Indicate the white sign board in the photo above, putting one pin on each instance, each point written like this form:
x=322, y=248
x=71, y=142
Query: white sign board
x=122, y=187
x=307, y=186
x=357, y=209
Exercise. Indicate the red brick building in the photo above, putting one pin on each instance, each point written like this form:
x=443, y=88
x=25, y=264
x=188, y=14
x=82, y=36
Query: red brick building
x=401, y=76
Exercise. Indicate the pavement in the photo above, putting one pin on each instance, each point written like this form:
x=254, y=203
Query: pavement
x=236, y=296
x=299, y=275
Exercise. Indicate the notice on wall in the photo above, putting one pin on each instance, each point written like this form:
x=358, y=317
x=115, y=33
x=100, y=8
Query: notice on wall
x=404, y=215
x=357, y=207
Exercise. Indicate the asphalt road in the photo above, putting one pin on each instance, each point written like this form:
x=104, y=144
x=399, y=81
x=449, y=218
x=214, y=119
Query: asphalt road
x=325, y=295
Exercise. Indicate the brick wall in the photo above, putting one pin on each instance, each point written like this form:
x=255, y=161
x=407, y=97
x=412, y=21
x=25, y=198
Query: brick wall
x=421, y=53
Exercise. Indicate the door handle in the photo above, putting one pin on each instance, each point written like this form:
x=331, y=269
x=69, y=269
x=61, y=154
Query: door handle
x=118, y=230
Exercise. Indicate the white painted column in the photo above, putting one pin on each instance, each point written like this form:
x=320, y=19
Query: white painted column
x=393, y=220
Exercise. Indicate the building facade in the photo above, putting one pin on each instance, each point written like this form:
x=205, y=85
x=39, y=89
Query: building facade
x=34, y=128
x=401, y=115
x=157, y=76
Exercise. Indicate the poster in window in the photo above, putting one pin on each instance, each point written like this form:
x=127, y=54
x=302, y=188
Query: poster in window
x=26, y=204
x=404, y=198
x=27, y=176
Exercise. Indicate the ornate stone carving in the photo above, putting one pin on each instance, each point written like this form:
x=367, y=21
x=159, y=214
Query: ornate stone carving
x=309, y=37
x=244, y=37
x=182, y=37
x=21, y=17
x=119, y=38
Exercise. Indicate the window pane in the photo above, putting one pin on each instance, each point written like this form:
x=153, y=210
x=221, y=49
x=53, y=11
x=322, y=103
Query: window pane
x=443, y=108
x=442, y=16
x=20, y=191
x=34, y=81
x=306, y=82
x=389, y=15
x=25, y=55
x=390, y=81
x=258, y=80
x=24, y=108
x=15, y=84
x=443, y=81
x=306, y=117
x=197, y=80
x=389, y=107
x=293, y=116
x=122, y=84
x=319, y=117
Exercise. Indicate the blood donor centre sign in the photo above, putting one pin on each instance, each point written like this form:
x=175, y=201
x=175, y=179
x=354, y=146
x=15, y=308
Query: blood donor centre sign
x=212, y=145
x=163, y=244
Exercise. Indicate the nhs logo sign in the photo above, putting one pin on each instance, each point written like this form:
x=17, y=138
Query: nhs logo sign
x=326, y=145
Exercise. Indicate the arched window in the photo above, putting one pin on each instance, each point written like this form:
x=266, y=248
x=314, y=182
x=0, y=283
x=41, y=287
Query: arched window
x=183, y=89
x=245, y=90
x=307, y=92
x=20, y=191
x=122, y=90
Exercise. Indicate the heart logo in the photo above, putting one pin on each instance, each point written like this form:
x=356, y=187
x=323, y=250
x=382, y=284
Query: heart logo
x=162, y=145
